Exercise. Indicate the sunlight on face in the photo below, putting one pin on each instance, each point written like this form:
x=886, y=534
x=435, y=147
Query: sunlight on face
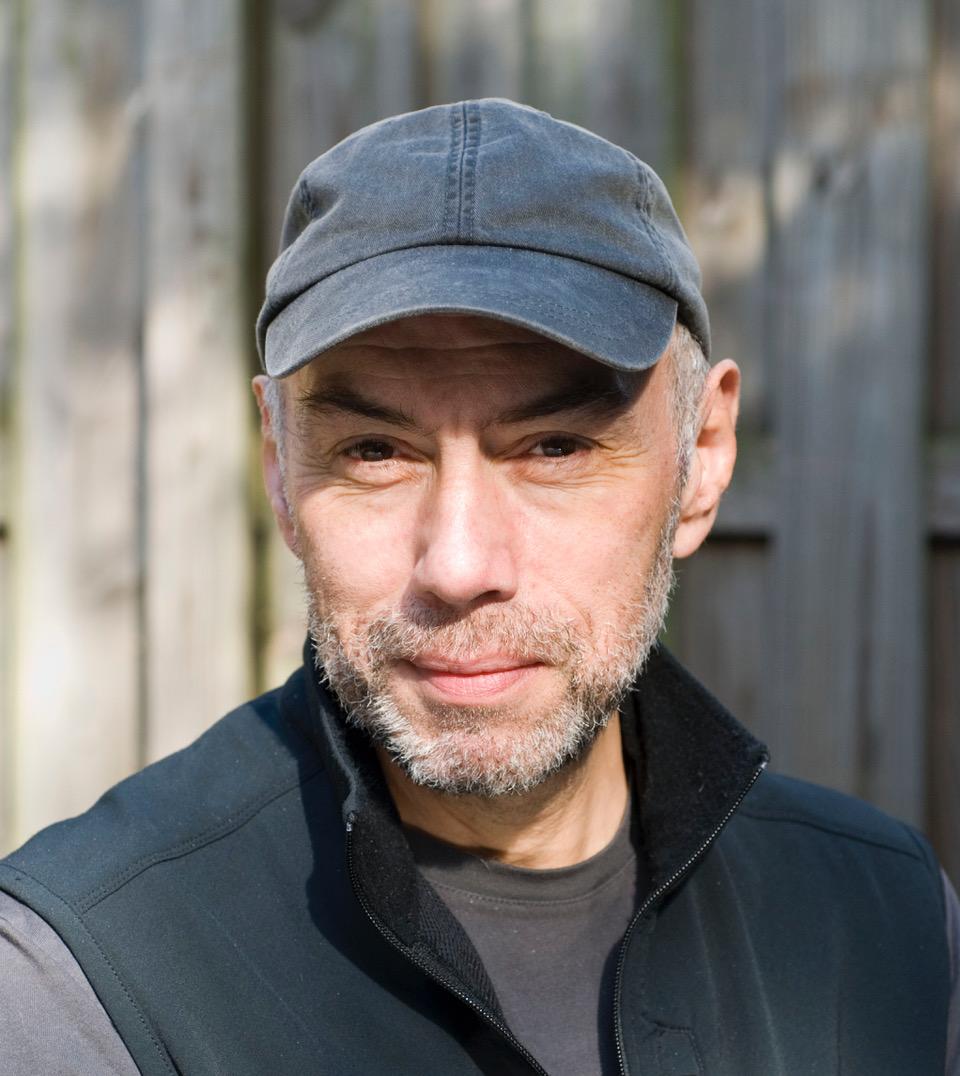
x=486, y=523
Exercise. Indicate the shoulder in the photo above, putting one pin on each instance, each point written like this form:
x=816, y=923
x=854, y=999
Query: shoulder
x=247, y=760
x=790, y=812
x=50, y=1018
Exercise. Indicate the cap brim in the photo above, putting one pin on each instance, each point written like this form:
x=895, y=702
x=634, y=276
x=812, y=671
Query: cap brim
x=602, y=314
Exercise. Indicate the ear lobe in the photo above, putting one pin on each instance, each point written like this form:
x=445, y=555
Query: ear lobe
x=714, y=456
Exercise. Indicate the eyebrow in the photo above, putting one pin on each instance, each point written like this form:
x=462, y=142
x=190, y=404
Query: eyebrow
x=336, y=398
x=584, y=396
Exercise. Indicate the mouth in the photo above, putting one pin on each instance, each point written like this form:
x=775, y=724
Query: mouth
x=464, y=681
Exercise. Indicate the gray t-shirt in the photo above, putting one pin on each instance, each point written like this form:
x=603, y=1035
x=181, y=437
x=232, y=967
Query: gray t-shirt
x=549, y=940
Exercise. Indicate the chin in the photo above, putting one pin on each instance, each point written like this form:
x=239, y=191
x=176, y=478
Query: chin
x=466, y=751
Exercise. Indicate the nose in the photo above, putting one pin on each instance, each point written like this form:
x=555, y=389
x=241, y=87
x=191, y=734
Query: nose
x=466, y=552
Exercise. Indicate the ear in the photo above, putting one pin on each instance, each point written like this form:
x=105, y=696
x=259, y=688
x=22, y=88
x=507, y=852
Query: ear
x=715, y=453
x=272, y=478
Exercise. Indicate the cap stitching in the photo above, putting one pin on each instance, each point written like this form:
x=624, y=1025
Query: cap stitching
x=469, y=172
x=451, y=209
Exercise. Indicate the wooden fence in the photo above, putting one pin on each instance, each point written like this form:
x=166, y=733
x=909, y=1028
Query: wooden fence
x=146, y=152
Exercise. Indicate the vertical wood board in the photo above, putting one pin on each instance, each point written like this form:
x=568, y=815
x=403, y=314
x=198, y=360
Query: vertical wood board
x=945, y=150
x=943, y=799
x=196, y=347
x=9, y=129
x=720, y=623
x=473, y=48
x=849, y=338
x=731, y=53
x=75, y=606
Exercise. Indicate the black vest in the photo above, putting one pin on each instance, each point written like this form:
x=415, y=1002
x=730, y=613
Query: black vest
x=249, y=906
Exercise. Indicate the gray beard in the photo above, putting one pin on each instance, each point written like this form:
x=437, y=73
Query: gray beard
x=459, y=752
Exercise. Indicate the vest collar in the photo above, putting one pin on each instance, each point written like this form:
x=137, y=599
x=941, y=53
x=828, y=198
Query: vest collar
x=692, y=759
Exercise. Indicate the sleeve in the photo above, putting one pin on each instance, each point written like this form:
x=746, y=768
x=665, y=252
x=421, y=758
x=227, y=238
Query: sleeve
x=952, y=906
x=50, y=1018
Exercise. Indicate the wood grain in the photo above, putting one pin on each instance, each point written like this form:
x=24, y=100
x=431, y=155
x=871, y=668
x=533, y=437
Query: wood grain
x=473, y=49
x=849, y=255
x=732, y=54
x=196, y=350
x=945, y=154
x=720, y=623
x=943, y=758
x=75, y=607
x=9, y=128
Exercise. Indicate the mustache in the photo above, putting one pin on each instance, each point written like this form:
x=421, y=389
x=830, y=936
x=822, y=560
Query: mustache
x=517, y=631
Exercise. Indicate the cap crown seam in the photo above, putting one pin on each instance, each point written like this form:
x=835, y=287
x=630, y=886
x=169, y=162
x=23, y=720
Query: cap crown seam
x=468, y=172
x=451, y=209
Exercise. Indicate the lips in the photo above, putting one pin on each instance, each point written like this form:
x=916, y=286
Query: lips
x=475, y=667
x=480, y=678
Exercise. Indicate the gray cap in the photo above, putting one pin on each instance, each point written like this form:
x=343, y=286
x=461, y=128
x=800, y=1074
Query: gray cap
x=483, y=207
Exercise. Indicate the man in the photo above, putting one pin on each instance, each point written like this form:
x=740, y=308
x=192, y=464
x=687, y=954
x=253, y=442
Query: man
x=491, y=826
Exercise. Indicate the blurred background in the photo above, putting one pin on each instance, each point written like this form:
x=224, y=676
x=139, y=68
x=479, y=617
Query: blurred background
x=147, y=148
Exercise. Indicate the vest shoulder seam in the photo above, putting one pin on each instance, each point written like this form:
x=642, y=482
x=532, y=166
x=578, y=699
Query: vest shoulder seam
x=192, y=844
x=851, y=832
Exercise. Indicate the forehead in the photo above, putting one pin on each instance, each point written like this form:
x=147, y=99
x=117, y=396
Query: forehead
x=454, y=351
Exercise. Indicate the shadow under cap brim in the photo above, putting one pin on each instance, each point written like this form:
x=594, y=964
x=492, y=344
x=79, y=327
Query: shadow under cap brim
x=605, y=315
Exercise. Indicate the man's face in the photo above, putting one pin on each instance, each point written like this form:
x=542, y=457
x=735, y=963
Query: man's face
x=485, y=520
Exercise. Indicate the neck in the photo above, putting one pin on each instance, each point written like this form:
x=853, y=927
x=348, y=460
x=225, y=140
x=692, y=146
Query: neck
x=566, y=819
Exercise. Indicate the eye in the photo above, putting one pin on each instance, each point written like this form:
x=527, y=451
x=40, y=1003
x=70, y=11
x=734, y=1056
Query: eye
x=557, y=447
x=371, y=451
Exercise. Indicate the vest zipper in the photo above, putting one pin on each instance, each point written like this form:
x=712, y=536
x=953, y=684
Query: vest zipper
x=388, y=935
x=655, y=897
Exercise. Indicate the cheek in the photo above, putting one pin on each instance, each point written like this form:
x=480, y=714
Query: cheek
x=355, y=552
x=593, y=554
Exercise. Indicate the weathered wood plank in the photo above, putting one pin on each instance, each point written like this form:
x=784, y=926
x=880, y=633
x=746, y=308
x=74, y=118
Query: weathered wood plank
x=945, y=151
x=9, y=72
x=748, y=508
x=943, y=490
x=472, y=50
x=731, y=56
x=196, y=350
x=720, y=622
x=849, y=206
x=943, y=800
x=74, y=520
x=557, y=77
x=606, y=65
